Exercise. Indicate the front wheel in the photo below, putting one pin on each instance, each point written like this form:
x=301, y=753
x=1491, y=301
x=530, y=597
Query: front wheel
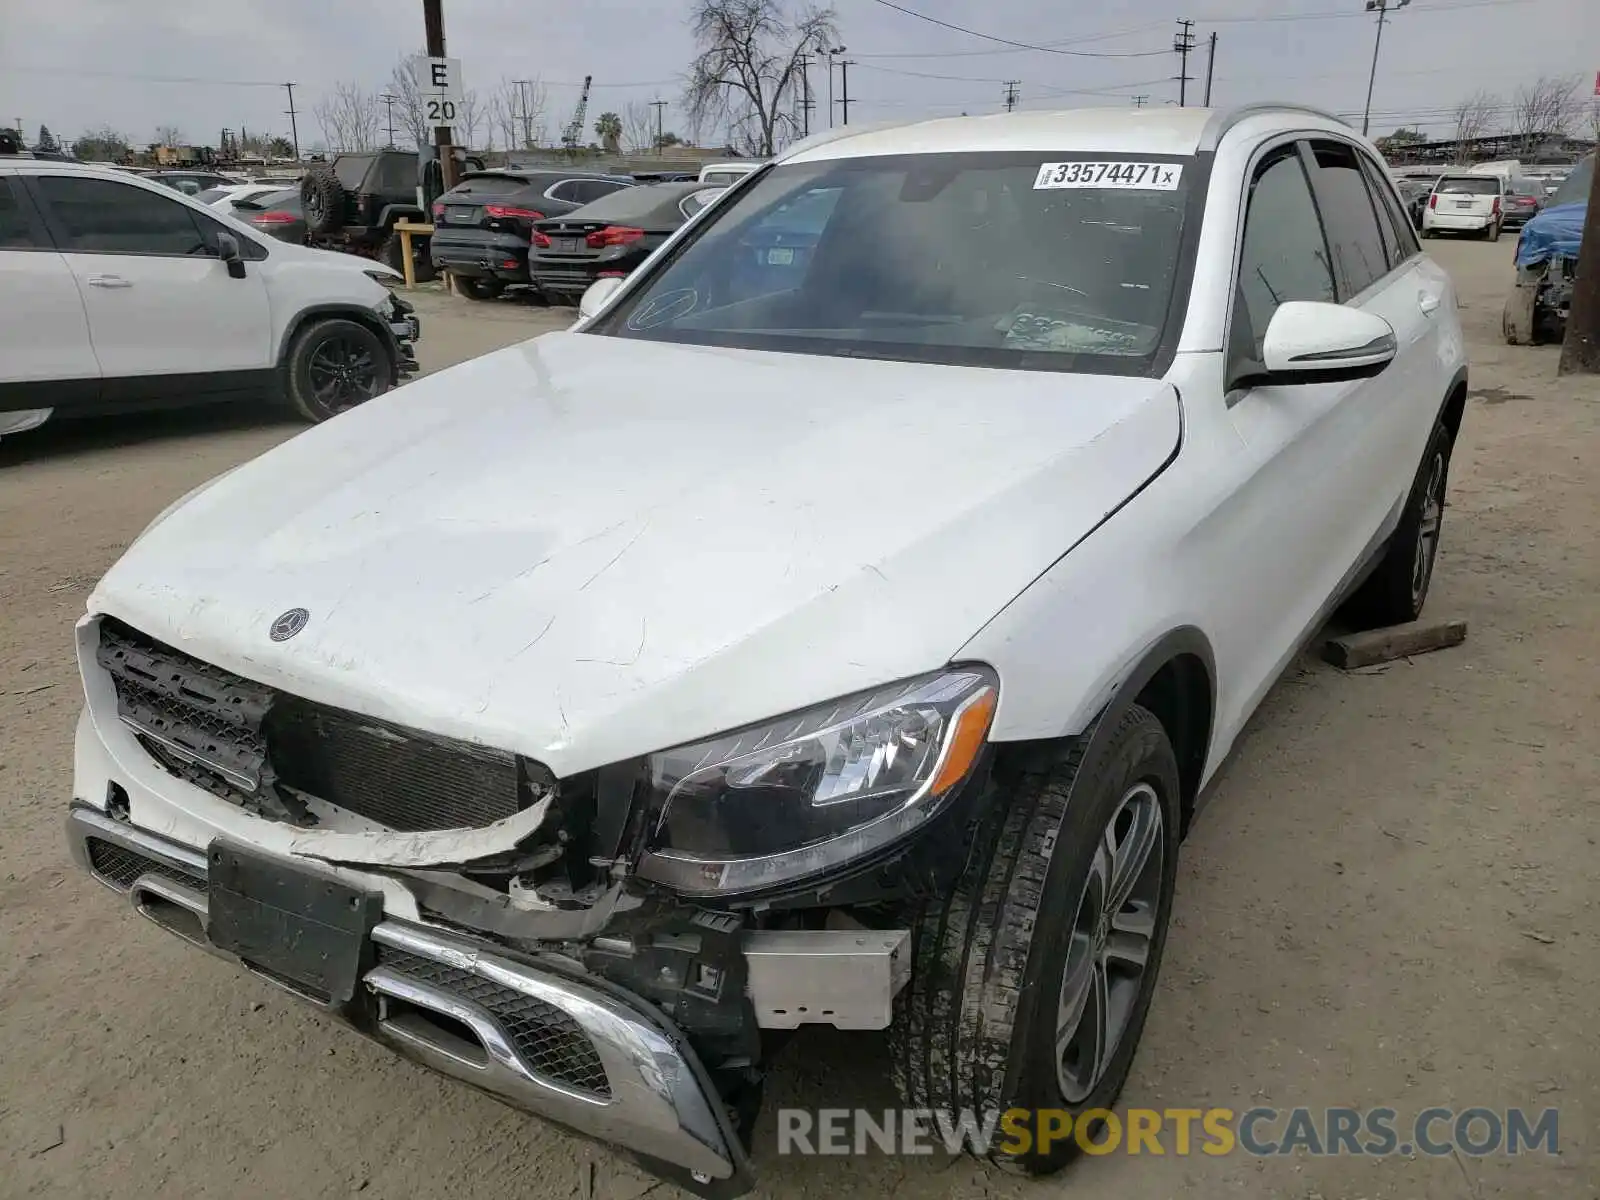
x=335, y=365
x=1031, y=981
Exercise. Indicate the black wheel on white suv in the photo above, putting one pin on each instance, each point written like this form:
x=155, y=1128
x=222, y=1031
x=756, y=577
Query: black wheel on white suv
x=1031, y=981
x=334, y=365
x=1398, y=587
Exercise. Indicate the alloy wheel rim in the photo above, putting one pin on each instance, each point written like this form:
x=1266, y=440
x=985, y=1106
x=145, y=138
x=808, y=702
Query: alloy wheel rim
x=1427, y=547
x=1112, y=935
x=343, y=373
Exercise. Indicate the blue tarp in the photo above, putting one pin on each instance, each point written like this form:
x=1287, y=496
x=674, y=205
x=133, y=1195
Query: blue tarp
x=1554, y=231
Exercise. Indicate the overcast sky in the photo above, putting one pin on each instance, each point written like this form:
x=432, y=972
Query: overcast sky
x=137, y=64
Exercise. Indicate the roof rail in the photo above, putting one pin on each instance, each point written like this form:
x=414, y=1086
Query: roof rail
x=1225, y=119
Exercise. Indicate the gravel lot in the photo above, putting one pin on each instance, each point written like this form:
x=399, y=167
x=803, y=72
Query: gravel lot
x=1390, y=901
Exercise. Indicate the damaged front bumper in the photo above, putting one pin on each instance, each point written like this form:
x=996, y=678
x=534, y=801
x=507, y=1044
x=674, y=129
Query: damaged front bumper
x=576, y=1052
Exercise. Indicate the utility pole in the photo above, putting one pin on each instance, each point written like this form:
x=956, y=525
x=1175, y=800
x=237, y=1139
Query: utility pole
x=1011, y=94
x=433, y=23
x=1381, y=7
x=388, y=103
x=294, y=131
x=661, y=107
x=806, y=103
x=1580, y=351
x=844, y=88
x=1138, y=101
x=1182, y=44
x=1211, y=66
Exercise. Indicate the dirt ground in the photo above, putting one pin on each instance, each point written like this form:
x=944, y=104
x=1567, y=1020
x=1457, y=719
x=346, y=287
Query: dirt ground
x=1390, y=900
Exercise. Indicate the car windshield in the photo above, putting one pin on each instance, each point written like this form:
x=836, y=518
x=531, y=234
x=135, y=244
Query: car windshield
x=212, y=194
x=1575, y=187
x=1032, y=261
x=1469, y=185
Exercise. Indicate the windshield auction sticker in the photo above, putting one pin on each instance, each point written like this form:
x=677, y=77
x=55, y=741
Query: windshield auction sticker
x=1144, y=176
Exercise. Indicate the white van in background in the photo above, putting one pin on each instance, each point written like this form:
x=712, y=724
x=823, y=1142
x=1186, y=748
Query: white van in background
x=1470, y=202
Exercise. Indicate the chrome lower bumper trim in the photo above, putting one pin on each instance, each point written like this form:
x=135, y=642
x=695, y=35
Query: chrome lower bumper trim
x=660, y=1106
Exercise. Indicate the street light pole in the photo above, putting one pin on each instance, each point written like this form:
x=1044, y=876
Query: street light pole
x=828, y=52
x=1381, y=7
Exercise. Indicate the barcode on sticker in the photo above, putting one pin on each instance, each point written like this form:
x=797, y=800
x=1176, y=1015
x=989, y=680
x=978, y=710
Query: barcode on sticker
x=1145, y=176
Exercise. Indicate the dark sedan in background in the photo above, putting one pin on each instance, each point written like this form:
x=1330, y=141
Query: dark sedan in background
x=483, y=225
x=1524, y=198
x=276, y=214
x=610, y=237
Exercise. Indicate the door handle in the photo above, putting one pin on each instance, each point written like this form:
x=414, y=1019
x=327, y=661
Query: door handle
x=109, y=281
x=1428, y=302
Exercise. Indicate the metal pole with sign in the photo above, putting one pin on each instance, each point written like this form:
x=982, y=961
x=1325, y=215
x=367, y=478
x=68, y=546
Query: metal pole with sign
x=439, y=85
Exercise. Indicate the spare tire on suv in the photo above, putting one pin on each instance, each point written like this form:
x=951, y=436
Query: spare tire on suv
x=322, y=198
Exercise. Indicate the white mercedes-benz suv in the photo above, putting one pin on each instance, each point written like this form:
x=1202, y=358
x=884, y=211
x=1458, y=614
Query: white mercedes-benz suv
x=840, y=624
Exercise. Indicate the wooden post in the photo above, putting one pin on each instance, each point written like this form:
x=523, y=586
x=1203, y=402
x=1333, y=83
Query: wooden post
x=1580, y=352
x=433, y=20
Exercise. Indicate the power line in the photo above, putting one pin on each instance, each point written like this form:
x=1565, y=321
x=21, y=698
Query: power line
x=1072, y=41
x=989, y=37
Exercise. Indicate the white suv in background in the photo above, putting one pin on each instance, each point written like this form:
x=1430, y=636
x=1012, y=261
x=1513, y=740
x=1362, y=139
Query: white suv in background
x=118, y=294
x=1466, y=203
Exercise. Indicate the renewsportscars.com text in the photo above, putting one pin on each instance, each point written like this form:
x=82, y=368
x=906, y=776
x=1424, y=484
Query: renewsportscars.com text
x=1375, y=1132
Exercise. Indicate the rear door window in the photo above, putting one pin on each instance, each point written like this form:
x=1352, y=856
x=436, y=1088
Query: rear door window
x=1351, y=221
x=1393, y=223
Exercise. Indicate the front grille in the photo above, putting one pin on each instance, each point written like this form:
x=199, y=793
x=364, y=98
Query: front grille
x=269, y=751
x=547, y=1039
x=120, y=866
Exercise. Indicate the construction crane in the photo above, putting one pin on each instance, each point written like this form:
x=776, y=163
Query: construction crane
x=572, y=135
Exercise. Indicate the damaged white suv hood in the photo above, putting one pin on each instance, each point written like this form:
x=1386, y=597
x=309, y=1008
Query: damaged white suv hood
x=585, y=548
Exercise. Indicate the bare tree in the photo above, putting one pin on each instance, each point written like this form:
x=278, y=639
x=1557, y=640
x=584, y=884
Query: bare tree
x=349, y=118
x=747, y=72
x=1475, y=117
x=1548, y=106
x=408, y=100
x=638, y=127
x=169, y=135
x=469, y=116
x=516, y=110
x=1594, y=121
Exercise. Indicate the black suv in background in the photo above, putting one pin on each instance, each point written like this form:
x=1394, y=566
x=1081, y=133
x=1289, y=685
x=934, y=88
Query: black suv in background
x=482, y=226
x=354, y=202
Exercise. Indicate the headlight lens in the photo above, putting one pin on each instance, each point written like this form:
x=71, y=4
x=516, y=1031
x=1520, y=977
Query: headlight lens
x=810, y=791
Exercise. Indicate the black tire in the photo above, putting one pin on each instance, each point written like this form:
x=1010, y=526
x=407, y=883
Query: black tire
x=976, y=1025
x=1493, y=232
x=313, y=381
x=322, y=201
x=392, y=253
x=474, y=288
x=1398, y=587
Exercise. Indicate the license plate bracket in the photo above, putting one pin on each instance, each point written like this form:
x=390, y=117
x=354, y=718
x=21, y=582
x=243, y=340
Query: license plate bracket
x=304, y=926
x=567, y=245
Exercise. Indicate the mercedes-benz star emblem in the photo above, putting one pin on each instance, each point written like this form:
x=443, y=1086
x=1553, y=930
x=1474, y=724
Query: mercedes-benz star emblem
x=289, y=624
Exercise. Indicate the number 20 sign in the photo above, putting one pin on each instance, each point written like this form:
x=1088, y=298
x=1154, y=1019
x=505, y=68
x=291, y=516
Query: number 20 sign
x=439, y=88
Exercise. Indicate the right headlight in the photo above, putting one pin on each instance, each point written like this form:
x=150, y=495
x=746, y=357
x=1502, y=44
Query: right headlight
x=814, y=790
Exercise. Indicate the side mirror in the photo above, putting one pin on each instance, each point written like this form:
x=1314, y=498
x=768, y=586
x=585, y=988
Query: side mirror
x=228, y=252
x=1312, y=342
x=595, y=298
